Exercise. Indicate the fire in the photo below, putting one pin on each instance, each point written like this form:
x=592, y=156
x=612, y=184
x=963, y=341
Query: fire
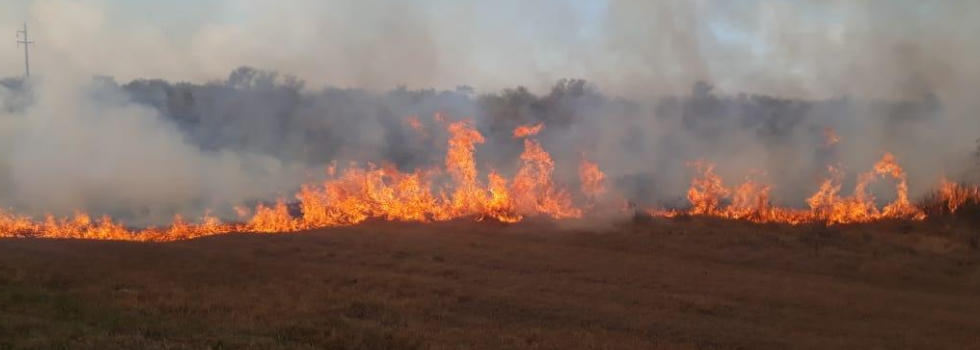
x=413, y=122
x=455, y=190
x=830, y=137
x=534, y=188
x=746, y=201
x=593, y=180
x=527, y=130
x=469, y=195
x=82, y=226
x=901, y=207
x=501, y=205
x=860, y=207
x=272, y=219
x=706, y=190
x=954, y=195
x=750, y=200
x=180, y=230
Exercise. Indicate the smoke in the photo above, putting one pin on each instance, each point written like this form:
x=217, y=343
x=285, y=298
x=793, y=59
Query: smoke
x=751, y=86
x=806, y=49
x=82, y=146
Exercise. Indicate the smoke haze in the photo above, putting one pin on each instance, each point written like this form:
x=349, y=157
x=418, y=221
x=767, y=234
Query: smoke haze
x=751, y=86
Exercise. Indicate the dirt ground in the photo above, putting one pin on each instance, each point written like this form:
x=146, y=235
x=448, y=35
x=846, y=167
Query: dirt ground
x=670, y=284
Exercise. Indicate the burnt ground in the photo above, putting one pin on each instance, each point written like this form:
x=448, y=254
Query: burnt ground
x=672, y=284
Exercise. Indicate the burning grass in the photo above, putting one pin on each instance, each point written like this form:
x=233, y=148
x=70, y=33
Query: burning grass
x=457, y=190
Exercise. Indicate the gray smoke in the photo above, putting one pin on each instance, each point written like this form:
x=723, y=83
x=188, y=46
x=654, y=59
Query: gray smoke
x=749, y=86
x=83, y=146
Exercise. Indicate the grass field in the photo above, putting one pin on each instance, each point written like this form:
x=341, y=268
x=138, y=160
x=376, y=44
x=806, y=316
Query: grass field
x=671, y=284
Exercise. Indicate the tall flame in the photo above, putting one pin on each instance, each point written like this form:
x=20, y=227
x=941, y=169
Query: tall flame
x=953, y=195
x=534, y=189
x=706, y=190
x=358, y=193
x=469, y=195
x=750, y=201
x=592, y=178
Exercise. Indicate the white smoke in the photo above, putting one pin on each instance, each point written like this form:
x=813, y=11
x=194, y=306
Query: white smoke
x=82, y=145
x=813, y=50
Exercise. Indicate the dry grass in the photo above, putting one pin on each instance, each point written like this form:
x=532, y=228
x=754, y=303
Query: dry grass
x=696, y=284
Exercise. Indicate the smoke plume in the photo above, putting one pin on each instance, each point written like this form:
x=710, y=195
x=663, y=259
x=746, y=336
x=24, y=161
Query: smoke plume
x=753, y=87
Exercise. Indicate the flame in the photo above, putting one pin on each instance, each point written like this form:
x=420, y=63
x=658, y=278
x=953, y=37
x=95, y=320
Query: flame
x=954, y=195
x=750, y=200
x=501, y=204
x=272, y=219
x=527, y=130
x=830, y=137
x=180, y=230
x=746, y=201
x=706, y=191
x=357, y=193
x=413, y=122
x=593, y=180
x=533, y=186
x=901, y=207
x=860, y=207
x=469, y=195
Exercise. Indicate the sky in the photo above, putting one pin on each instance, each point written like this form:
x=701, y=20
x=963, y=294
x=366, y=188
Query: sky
x=625, y=47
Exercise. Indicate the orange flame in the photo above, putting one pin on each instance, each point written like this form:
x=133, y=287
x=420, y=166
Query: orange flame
x=533, y=186
x=750, y=201
x=355, y=194
x=527, y=130
x=954, y=195
x=469, y=196
x=593, y=180
x=413, y=122
x=830, y=137
x=706, y=190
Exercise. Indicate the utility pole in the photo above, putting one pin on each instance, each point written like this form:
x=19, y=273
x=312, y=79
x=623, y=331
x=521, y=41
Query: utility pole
x=27, y=43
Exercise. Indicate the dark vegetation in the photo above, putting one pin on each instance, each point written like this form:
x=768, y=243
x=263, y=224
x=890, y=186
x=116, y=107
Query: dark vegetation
x=264, y=112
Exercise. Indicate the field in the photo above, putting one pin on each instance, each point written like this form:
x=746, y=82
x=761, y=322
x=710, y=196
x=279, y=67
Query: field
x=673, y=284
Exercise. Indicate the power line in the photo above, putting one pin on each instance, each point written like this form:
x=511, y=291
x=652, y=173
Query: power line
x=27, y=43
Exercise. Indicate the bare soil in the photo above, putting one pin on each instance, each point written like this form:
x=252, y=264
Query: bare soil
x=670, y=284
